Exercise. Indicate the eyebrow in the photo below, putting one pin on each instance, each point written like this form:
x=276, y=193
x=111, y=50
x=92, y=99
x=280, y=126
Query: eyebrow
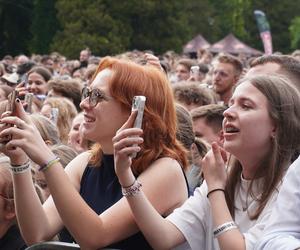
x=243, y=99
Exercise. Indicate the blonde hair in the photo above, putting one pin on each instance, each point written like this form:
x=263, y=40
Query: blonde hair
x=66, y=113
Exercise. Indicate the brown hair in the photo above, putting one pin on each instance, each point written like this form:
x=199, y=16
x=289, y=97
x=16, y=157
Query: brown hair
x=70, y=89
x=187, y=63
x=43, y=71
x=213, y=114
x=234, y=61
x=289, y=66
x=191, y=93
x=159, y=123
x=284, y=110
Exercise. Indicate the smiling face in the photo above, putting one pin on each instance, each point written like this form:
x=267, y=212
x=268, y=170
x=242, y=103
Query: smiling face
x=248, y=128
x=37, y=84
x=102, y=121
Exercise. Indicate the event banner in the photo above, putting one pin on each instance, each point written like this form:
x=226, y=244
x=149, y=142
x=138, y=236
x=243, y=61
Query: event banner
x=265, y=32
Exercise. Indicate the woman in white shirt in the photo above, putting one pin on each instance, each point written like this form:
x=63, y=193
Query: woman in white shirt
x=230, y=209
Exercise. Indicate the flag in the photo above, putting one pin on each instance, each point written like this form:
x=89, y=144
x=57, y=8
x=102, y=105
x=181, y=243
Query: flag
x=265, y=32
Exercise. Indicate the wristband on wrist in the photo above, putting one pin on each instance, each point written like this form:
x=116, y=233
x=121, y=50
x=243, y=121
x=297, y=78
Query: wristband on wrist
x=132, y=190
x=49, y=164
x=215, y=190
x=224, y=228
x=19, y=169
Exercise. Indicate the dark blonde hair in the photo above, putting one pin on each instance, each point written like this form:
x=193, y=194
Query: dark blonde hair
x=159, y=122
x=284, y=109
x=66, y=113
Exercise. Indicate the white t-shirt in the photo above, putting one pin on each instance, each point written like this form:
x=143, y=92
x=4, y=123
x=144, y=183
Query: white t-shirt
x=194, y=217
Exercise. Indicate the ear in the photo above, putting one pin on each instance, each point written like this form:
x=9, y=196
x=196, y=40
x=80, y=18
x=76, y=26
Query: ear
x=273, y=132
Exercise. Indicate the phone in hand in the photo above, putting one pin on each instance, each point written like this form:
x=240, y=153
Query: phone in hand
x=138, y=103
x=54, y=115
x=11, y=106
x=195, y=71
x=11, y=101
x=28, y=100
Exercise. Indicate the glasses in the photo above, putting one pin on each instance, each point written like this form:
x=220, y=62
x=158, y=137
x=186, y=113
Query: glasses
x=6, y=198
x=95, y=96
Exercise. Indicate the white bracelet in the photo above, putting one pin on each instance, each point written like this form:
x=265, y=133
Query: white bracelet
x=19, y=169
x=224, y=227
x=132, y=189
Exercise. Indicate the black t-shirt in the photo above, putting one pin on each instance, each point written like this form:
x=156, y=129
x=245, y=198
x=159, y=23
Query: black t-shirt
x=12, y=240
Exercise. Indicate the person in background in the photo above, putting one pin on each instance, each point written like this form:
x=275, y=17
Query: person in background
x=76, y=139
x=207, y=123
x=230, y=210
x=182, y=71
x=61, y=111
x=70, y=89
x=226, y=73
x=191, y=95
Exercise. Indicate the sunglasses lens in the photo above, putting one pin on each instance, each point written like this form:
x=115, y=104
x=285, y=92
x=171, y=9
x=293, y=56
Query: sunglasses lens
x=94, y=98
x=85, y=93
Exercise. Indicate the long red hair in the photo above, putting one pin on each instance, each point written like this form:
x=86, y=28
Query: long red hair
x=159, y=123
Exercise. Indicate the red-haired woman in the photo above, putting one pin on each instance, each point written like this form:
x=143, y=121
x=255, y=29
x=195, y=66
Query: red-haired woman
x=87, y=197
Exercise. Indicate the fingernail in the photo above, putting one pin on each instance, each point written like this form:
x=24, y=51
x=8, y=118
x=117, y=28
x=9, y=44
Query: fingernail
x=18, y=100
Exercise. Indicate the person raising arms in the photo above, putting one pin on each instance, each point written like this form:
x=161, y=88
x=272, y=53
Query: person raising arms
x=87, y=200
x=230, y=209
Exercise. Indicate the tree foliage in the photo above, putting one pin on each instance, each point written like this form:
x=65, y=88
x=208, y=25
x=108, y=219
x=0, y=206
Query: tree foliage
x=295, y=32
x=44, y=26
x=111, y=27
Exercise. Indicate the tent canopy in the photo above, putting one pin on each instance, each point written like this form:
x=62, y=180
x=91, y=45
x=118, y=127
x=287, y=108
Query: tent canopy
x=195, y=44
x=230, y=44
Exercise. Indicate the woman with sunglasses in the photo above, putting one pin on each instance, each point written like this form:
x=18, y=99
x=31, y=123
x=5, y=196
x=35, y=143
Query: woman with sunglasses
x=87, y=198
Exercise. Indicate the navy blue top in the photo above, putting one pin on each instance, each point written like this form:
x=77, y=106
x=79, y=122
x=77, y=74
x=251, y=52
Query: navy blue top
x=101, y=189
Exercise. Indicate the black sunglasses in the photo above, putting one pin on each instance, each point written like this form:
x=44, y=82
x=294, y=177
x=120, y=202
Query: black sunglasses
x=95, y=96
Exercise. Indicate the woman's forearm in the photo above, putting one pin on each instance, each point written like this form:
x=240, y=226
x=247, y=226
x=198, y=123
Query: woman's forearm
x=31, y=216
x=231, y=239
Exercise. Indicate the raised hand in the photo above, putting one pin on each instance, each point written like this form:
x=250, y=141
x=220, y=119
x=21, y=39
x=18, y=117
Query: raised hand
x=213, y=167
x=24, y=135
x=125, y=143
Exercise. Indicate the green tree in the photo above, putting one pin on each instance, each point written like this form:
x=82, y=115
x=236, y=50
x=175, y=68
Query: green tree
x=15, y=20
x=295, y=32
x=88, y=24
x=44, y=26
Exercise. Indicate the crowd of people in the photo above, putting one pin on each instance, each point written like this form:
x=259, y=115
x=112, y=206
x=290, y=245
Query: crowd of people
x=214, y=165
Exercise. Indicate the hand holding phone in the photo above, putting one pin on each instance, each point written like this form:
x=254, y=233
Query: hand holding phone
x=28, y=101
x=138, y=103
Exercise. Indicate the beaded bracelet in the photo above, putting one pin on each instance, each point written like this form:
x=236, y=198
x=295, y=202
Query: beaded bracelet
x=132, y=189
x=49, y=164
x=224, y=227
x=19, y=169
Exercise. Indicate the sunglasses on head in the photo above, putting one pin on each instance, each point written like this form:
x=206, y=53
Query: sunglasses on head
x=95, y=96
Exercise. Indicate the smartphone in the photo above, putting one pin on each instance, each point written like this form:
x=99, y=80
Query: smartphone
x=11, y=101
x=138, y=103
x=195, y=71
x=28, y=100
x=11, y=107
x=54, y=115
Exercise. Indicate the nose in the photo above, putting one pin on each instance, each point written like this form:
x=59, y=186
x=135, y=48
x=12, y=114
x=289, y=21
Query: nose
x=229, y=113
x=85, y=104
